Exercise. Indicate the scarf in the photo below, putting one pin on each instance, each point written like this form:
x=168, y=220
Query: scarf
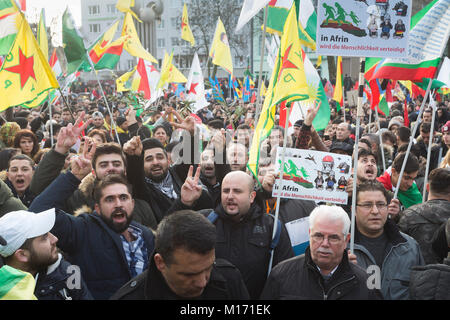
x=165, y=186
x=407, y=198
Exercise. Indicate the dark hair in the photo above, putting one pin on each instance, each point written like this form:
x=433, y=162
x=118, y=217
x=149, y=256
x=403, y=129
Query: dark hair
x=170, y=146
x=439, y=181
x=404, y=133
x=366, y=141
x=425, y=127
x=144, y=132
x=21, y=157
x=152, y=143
x=412, y=163
x=155, y=128
x=184, y=229
x=365, y=153
x=389, y=136
x=109, y=180
x=372, y=185
x=216, y=124
x=108, y=148
x=40, y=154
x=243, y=127
x=5, y=155
x=28, y=134
x=22, y=122
x=22, y=114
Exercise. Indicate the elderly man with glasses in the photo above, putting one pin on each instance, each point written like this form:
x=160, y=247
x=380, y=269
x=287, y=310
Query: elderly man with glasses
x=379, y=244
x=325, y=270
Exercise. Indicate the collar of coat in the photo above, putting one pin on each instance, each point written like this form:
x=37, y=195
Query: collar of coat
x=390, y=229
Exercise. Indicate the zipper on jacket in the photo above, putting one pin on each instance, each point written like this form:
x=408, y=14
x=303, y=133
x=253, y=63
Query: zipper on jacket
x=338, y=284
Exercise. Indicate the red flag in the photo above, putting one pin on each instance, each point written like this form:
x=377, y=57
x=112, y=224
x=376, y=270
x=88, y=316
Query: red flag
x=388, y=94
x=23, y=5
x=143, y=84
x=283, y=115
x=405, y=114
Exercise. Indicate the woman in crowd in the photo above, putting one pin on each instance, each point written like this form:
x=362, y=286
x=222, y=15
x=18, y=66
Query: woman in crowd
x=27, y=141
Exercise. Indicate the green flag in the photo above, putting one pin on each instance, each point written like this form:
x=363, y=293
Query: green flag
x=73, y=43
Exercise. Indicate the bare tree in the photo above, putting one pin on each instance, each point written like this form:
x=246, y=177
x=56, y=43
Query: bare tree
x=203, y=17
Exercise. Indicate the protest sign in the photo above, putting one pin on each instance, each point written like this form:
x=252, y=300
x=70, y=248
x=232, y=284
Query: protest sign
x=363, y=28
x=314, y=175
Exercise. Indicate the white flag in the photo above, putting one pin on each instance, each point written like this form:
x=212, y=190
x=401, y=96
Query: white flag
x=195, y=85
x=444, y=73
x=153, y=76
x=249, y=9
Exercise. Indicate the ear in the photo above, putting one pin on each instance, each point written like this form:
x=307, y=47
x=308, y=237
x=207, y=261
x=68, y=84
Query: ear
x=428, y=187
x=93, y=173
x=159, y=262
x=97, y=208
x=347, y=238
x=22, y=255
x=252, y=196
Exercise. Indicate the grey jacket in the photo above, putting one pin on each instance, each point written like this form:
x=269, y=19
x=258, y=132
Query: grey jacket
x=403, y=254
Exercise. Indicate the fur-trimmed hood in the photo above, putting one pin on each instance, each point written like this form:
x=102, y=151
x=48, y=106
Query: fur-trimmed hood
x=87, y=185
x=3, y=175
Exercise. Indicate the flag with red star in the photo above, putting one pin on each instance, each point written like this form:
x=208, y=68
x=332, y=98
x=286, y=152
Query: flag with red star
x=25, y=74
x=186, y=32
x=195, y=85
x=287, y=84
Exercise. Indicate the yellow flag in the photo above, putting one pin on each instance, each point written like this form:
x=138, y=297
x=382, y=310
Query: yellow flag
x=103, y=44
x=25, y=74
x=175, y=75
x=220, y=49
x=42, y=35
x=123, y=83
x=287, y=83
x=165, y=70
x=125, y=7
x=186, y=32
x=133, y=45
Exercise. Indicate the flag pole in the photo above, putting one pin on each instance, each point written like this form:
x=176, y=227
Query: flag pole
x=411, y=138
x=359, y=114
x=283, y=158
x=381, y=139
x=104, y=98
x=51, y=120
x=263, y=40
x=67, y=105
x=370, y=119
x=430, y=143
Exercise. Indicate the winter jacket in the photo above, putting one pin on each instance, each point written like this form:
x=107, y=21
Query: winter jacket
x=159, y=202
x=299, y=279
x=403, y=253
x=225, y=283
x=88, y=240
x=246, y=244
x=421, y=222
x=82, y=199
x=55, y=283
x=431, y=282
x=423, y=149
x=8, y=202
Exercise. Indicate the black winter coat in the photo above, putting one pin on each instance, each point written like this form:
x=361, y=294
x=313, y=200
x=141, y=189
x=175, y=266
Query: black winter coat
x=89, y=242
x=430, y=282
x=246, y=245
x=54, y=284
x=299, y=279
x=225, y=284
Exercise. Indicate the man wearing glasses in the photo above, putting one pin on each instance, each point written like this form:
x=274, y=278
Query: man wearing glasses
x=324, y=272
x=378, y=242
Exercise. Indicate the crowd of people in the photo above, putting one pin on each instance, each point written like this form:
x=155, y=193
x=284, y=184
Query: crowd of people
x=161, y=205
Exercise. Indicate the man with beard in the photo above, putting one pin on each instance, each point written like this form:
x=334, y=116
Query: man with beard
x=237, y=156
x=108, y=159
x=244, y=231
x=29, y=246
x=154, y=180
x=107, y=245
x=367, y=171
x=212, y=173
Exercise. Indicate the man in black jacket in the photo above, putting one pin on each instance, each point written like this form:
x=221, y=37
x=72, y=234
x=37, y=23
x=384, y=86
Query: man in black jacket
x=244, y=231
x=107, y=245
x=154, y=180
x=29, y=246
x=324, y=271
x=184, y=265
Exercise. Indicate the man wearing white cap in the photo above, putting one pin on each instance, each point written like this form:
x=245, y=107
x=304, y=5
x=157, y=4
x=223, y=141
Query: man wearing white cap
x=26, y=244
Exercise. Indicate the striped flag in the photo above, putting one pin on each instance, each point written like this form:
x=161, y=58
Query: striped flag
x=338, y=95
x=16, y=284
x=10, y=21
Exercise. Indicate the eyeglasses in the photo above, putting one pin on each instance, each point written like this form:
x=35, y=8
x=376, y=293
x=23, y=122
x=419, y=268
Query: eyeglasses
x=332, y=239
x=367, y=206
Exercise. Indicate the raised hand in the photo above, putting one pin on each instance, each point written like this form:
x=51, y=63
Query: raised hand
x=191, y=190
x=133, y=147
x=187, y=124
x=311, y=113
x=394, y=208
x=268, y=182
x=81, y=165
x=68, y=136
x=130, y=115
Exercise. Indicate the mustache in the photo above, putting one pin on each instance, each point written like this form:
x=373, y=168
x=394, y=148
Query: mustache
x=323, y=250
x=118, y=211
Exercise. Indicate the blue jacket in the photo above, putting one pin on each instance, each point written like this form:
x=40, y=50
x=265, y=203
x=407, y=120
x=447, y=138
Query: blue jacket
x=403, y=254
x=89, y=242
